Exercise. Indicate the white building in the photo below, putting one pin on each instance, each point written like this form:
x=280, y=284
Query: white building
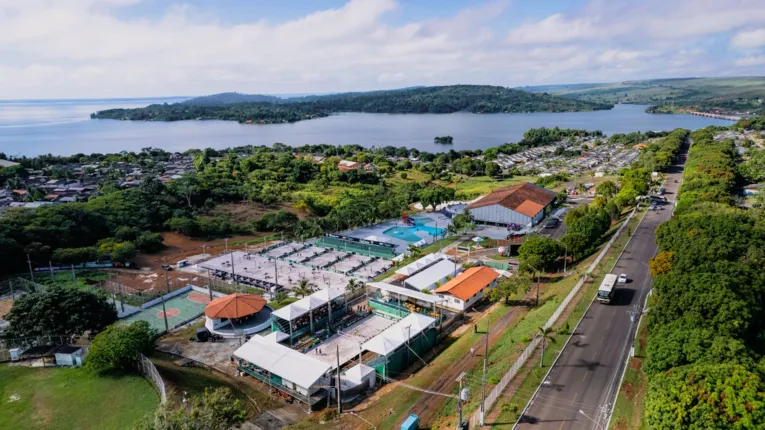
x=523, y=204
x=69, y=355
x=433, y=276
x=467, y=288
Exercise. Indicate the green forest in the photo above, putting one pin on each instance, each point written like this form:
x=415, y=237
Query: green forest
x=740, y=94
x=445, y=99
x=705, y=351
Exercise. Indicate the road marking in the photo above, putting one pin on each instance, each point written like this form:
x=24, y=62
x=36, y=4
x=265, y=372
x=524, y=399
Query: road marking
x=609, y=325
x=601, y=339
x=593, y=357
x=585, y=375
x=562, y=424
x=574, y=399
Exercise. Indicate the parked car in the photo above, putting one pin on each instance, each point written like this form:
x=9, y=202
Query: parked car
x=552, y=223
x=622, y=278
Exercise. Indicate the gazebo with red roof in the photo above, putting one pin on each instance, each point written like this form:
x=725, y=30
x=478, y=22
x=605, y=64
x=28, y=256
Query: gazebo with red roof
x=237, y=314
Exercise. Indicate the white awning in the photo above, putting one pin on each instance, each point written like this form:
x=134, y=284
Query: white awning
x=414, y=267
x=357, y=373
x=398, y=334
x=433, y=274
x=276, y=336
x=280, y=360
x=429, y=298
x=308, y=303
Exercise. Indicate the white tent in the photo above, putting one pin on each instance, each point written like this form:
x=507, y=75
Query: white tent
x=290, y=365
x=398, y=334
x=414, y=267
x=307, y=304
x=276, y=336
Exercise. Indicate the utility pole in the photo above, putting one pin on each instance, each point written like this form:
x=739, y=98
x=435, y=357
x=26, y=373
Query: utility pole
x=485, y=363
x=209, y=284
x=74, y=277
x=339, y=402
x=226, y=240
x=50, y=266
x=459, y=401
x=31, y=273
x=164, y=310
x=233, y=274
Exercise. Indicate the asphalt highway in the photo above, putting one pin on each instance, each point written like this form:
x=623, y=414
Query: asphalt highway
x=580, y=389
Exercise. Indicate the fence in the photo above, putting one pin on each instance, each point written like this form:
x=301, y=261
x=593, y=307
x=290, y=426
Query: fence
x=146, y=367
x=24, y=343
x=15, y=285
x=476, y=419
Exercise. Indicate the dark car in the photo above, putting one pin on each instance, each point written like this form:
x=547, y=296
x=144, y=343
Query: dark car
x=552, y=223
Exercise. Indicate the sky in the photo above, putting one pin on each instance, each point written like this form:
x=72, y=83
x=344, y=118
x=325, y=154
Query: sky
x=158, y=48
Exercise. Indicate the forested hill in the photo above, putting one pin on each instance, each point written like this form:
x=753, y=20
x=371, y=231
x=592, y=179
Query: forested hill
x=228, y=98
x=444, y=99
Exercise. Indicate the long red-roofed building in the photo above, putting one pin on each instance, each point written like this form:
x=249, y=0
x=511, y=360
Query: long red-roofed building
x=522, y=204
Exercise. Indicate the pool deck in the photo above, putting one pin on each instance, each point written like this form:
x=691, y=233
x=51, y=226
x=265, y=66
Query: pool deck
x=438, y=220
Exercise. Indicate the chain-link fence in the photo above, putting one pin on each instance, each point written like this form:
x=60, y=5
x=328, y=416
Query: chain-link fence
x=147, y=368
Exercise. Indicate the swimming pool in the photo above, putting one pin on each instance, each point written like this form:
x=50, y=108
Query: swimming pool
x=408, y=233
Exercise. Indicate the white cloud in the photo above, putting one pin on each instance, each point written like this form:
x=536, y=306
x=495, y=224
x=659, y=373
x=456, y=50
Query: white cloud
x=82, y=48
x=750, y=61
x=749, y=39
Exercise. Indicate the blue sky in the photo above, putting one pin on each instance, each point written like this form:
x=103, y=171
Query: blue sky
x=133, y=48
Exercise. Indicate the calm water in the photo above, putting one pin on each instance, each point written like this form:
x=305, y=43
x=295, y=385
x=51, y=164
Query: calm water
x=63, y=128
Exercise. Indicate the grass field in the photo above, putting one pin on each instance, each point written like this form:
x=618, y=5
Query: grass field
x=470, y=188
x=72, y=398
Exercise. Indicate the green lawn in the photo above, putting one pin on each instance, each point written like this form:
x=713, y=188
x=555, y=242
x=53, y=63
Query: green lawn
x=72, y=398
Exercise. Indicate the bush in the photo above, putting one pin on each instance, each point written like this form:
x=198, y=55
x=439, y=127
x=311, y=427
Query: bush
x=150, y=242
x=117, y=347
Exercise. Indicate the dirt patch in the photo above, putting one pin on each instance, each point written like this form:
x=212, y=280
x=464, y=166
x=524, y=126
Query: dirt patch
x=5, y=307
x=628, y=390
x=179, y=247
x=636, y=364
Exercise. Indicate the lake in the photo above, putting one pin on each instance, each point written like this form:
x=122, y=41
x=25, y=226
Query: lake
x=63, y=127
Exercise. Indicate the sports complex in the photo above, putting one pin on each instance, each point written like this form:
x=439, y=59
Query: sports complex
x=177, y=310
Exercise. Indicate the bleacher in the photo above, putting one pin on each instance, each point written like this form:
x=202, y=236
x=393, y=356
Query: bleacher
x=348, y=245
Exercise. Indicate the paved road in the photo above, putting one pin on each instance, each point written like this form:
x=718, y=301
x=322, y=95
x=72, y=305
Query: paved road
x=587, y=375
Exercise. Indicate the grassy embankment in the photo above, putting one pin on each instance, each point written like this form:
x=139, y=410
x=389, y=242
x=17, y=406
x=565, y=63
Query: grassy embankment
x=628, y=410
x=194, y=380
x=72, y=398
x=532, y=377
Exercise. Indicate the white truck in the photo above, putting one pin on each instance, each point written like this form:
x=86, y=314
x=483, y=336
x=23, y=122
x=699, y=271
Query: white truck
x=606, y=290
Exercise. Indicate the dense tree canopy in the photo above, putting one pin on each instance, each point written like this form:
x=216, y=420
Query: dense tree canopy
x=445, y=99
x=59, y=311
x=117, y=347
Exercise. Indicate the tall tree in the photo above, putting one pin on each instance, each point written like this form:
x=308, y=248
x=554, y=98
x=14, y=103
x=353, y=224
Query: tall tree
x=59, y=311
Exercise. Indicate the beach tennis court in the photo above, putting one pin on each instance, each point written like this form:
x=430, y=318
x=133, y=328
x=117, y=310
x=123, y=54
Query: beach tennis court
x=180, y=309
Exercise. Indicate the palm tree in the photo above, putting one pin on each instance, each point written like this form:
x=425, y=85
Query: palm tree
x=415, y=251
x=280, y=296
x=304, y=288
x=548, y=335
x=352, y=286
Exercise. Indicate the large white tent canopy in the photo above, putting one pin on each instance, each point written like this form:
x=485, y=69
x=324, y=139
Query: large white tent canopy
x=308, y=303
x=416, y=266
x=280, y=360
x=398, y=334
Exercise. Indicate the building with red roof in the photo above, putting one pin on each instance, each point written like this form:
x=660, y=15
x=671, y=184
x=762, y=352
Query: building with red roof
x=523, y=204
x=462, y=292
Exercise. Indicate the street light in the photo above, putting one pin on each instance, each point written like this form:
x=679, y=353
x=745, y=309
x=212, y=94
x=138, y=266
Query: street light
x=226, y=240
